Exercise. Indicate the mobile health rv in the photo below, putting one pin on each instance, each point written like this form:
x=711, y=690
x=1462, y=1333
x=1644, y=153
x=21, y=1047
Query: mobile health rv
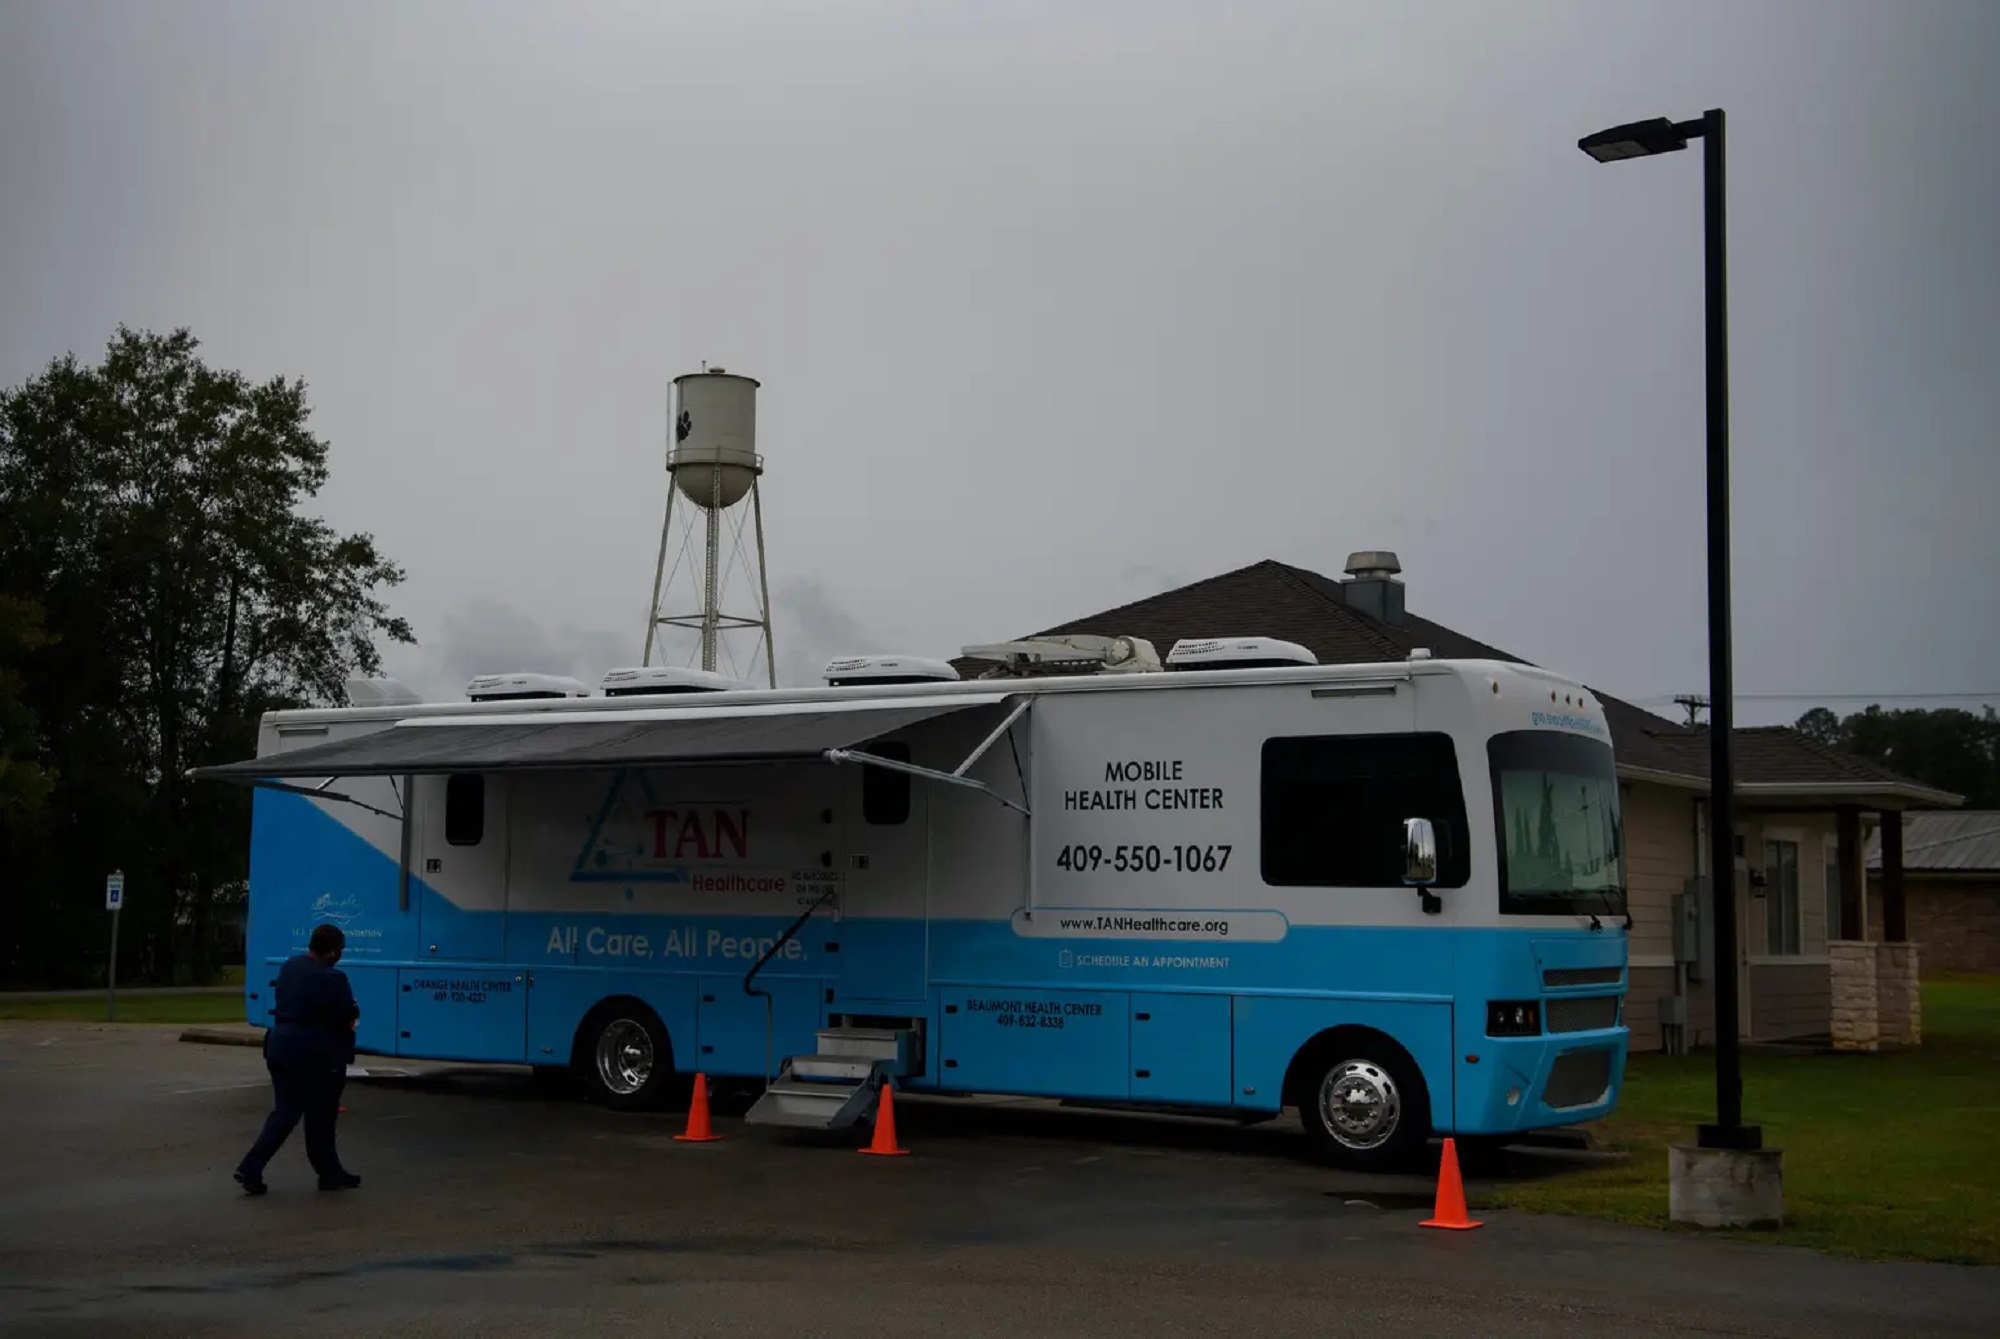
x=1388, y=896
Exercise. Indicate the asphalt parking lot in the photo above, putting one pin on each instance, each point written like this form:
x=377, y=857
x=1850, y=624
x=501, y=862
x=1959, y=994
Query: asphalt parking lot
x=492, y=1206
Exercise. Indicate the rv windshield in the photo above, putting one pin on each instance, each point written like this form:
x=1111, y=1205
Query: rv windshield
x=1559, y=832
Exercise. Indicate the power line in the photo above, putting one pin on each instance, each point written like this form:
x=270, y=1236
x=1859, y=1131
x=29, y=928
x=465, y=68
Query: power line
x=1842, y=697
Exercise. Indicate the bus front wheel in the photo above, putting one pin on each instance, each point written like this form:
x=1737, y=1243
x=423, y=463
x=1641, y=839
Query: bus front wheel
x=624, y=1057
x=1363, y=1107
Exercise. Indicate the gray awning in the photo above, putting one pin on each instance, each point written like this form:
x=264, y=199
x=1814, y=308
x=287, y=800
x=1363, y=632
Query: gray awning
x=765, y=732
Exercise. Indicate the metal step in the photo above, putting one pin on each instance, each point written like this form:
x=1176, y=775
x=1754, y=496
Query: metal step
x=844, y=1069
x=870, y=1043
x=806, y=1105
x=838, y=1086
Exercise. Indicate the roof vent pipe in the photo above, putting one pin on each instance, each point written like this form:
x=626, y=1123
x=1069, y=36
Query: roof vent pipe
x=1371, y=587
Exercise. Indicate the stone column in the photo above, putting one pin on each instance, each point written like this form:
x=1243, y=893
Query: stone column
x=1899, y=1004
x=1856, y=1007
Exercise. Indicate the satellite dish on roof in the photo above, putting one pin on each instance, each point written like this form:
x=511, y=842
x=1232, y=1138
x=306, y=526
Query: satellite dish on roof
x=379, y=692
x=1074, y=653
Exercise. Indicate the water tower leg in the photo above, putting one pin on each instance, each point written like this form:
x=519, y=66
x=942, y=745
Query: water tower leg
x=710, y=593
x=659, y=572
x=763, y=584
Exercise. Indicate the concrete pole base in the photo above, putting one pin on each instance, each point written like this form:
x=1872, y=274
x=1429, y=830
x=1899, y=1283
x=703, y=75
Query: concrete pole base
x=1725, y=1187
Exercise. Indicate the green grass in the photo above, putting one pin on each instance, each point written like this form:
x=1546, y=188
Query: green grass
x=136, y=1009
x=1886, y=1156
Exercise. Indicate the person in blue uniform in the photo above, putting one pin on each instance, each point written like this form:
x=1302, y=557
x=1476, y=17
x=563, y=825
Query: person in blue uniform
x=307, y=1049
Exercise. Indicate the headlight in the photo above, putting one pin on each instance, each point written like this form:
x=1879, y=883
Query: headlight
x=1513, y=1018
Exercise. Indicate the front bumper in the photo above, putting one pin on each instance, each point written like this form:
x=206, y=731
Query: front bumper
x=1530, y=1083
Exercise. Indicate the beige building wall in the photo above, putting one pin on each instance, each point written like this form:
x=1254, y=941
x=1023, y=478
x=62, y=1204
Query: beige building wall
x=1659, y=859
x=1788, y=1002
x=1786, y=985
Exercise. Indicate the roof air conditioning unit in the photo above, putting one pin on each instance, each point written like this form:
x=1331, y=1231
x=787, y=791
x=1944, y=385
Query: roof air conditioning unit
x=521, y=687
x=878, y=670
x=653, y=680
x=1232, y=653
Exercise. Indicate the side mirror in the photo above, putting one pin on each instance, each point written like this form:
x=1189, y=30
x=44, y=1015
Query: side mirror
x=1420, y=861
x=1420, y=853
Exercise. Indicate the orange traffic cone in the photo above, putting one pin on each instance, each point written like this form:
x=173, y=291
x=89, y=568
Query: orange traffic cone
x=1449, y=1211
x=884, y=1143
x=698, y=1131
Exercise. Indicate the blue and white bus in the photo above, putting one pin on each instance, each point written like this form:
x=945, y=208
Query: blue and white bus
x=1390, y=897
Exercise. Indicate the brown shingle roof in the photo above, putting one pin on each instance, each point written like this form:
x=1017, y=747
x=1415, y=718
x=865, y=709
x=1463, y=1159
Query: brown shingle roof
x=1273, y=599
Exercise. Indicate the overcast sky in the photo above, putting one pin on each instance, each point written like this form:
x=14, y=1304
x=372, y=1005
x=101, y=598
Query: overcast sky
x=1058, y=304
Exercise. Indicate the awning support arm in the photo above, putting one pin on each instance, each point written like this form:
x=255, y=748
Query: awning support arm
x=320, y=792
x=929, y=774
x=1020, y=710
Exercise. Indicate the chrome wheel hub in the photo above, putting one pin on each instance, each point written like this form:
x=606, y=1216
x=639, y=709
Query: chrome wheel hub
x=1360, y=1105
x=624, y=1057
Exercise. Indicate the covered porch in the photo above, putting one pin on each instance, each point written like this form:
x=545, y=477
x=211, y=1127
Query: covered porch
x=1808, y=971
x=1858, y=991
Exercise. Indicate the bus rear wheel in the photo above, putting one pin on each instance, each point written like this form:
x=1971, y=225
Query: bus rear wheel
x=1365, y=1109
x=625, y=1058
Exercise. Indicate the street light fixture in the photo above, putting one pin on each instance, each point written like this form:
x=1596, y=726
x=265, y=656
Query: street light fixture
x=1640, y=139
x=1643, y=139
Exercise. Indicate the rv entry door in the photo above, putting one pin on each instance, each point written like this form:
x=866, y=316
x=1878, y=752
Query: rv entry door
x=883, y=933
x=459, y=875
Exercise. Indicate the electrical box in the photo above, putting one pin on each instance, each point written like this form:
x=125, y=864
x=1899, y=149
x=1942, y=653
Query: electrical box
x=1687, y=927
x=1673, y=1011
x=1693, y=938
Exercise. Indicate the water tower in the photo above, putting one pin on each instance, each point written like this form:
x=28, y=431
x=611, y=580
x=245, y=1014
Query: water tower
x=713, y=466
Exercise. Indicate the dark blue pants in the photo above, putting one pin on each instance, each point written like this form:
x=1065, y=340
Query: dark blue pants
x=301, y=1090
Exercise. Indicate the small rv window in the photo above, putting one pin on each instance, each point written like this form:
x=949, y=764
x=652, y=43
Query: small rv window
x=464, y=810
x=1334, y=805
x=885, y=795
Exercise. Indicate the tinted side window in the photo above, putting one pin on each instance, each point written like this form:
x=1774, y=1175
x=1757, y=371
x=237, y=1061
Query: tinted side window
x=1334, y=805
x=464, y=810
x=885, y=795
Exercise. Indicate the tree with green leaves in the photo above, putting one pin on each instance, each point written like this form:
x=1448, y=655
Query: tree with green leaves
x=1949, y=748
x=24, y=782
x=150, y=507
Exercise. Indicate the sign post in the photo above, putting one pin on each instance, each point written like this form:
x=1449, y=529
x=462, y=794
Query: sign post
x=114, y=899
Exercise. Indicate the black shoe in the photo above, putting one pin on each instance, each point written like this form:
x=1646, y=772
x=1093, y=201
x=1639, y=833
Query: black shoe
x=343, y=1181
x=252, y=1185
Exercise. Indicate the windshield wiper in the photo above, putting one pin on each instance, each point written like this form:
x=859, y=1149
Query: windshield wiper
x=1605, y=895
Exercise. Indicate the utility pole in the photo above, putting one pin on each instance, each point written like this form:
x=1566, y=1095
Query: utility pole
x=1692, y=703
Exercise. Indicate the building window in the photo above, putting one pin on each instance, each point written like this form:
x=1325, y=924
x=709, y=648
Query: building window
x=885, y=794
x=1832, y=889
x=464, y=809
x=1781, y=899
x=1334, y=805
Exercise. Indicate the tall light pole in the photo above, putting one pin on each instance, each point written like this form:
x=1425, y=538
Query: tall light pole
x=1643, y=139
